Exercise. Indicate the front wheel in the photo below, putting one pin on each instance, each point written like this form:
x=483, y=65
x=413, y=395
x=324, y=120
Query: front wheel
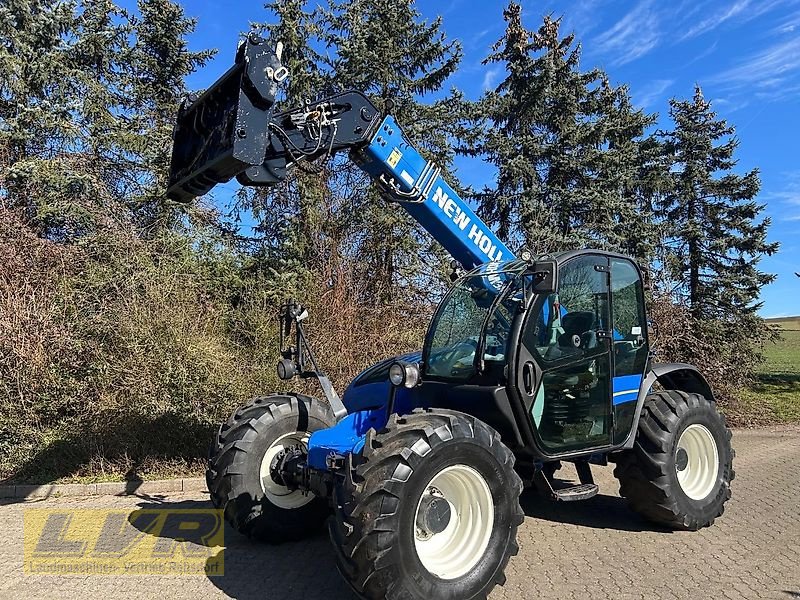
x=428, y=509
x=239, y=471
x=679, y=472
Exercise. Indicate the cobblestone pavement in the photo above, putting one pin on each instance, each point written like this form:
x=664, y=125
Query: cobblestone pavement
x=593, y=549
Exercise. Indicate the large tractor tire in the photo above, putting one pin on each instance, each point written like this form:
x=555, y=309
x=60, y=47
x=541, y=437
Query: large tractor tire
x=238, y=473
x=679, y=472
x=428, y=509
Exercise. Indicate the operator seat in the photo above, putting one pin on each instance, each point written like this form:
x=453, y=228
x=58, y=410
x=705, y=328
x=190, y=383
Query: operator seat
x=579, y=330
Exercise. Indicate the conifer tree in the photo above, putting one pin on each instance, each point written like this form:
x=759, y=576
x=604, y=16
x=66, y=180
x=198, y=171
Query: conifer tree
x=385, y=49
x=293, y=213
x=159, y=63
x=297, y=28
x=715, y=235
x=36, y=105
x=538, y=136
x=572, y=158
x=630, y=173
x=714, y=238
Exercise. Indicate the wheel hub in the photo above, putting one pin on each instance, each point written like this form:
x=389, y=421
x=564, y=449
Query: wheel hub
x=453, y=522
x=697, y=461
x=275, y=470
x=681, y=459
x=286, y=467
x=433, y=514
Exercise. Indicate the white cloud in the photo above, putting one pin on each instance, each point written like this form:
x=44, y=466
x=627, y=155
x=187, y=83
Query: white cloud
x=730, y=105
x=789, y=25
x=717, y=19
x=741, y=10
x=633, y=36
x=652, y=91
x=769, y=68
x=490, y=78
x=698, y=57
x=581, y=17
x=784, y=200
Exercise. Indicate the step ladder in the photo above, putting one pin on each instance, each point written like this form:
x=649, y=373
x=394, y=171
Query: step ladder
x=586, y=489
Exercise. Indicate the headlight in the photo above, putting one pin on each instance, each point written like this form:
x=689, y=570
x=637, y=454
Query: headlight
x=403, y=373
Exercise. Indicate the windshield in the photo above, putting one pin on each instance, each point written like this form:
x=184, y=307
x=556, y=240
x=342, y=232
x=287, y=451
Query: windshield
x=484, y=297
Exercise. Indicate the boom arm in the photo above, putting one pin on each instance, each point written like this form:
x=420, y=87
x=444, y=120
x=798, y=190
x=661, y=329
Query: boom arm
x=234, y=130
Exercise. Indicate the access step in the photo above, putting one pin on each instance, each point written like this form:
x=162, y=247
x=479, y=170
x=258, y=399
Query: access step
x=582, y=491
x=574, y=493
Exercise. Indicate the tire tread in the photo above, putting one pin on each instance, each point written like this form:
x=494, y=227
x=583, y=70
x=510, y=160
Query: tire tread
x=643, y=471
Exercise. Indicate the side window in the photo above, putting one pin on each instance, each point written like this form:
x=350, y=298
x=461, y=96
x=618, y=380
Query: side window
x=567, y=326
x=629, y=332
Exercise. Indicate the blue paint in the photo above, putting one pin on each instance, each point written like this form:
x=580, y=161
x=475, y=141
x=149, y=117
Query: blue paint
x=453, y=224
x=626, y=388
x=443, y=213
x=343, y=438
x=371, y=387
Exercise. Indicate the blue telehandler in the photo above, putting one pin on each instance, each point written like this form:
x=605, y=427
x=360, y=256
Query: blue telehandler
x=528, y=362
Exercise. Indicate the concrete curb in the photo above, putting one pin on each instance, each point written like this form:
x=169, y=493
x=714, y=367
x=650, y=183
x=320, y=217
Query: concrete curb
x=114, y=488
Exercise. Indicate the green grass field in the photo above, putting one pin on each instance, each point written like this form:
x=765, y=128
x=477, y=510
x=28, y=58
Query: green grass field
x=775, y=396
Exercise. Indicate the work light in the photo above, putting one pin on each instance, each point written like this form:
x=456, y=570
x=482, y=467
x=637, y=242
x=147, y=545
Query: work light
x=286, y=369
x=404, y=373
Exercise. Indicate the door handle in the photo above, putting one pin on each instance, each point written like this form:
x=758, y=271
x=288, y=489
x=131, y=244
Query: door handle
x=527, y=378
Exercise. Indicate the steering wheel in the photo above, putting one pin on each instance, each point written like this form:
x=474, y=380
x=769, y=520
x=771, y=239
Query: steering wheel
x=449, y=358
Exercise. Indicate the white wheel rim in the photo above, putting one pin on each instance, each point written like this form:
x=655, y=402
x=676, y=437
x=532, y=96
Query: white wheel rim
x=461, y=545
x=699, y=475
x=280, y=495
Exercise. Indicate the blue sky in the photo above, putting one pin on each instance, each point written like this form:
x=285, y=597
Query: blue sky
x=744, y=53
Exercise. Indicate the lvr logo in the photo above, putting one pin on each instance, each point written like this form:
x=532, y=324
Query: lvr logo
x=147, y=541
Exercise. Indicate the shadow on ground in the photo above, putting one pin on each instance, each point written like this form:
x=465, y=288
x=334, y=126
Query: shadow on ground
x=600, y=512
x=777, y=382
x=254, y=571
x=131, y=444
x=306, y=570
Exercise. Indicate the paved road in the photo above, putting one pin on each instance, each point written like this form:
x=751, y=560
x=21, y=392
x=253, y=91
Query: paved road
x=594, y=549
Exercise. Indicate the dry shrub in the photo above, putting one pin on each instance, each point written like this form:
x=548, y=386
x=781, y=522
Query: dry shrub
x=348, y=335
x=35, y=338
x=120, y=355
x=116, y=352
x=726, y=353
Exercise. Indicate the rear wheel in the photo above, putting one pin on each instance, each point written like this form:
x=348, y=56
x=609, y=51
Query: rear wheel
x=239, y=477
x=428, y=509
x=679, y=472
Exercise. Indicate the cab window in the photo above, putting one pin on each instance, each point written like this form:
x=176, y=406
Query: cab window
x=569, y=320
x=630, y=328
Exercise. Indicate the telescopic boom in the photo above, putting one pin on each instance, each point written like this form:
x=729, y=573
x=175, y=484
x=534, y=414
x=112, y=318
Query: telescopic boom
x=235, y=130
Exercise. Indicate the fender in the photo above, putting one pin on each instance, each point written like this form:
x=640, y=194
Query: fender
x=673, y=376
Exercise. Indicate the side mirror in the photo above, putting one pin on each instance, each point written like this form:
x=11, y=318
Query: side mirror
x=544, y=276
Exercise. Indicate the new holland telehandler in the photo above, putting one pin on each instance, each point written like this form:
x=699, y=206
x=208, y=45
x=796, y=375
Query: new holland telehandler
x=528, y=362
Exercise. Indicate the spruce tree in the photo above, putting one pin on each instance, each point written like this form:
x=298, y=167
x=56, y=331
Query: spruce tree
x=573, y=160
x=540, y=136
x=297, y=29
x=159, y=63
x=631, y=173
x=715, y=237
x=293, y=213
x=37, y=101
x=385, y=49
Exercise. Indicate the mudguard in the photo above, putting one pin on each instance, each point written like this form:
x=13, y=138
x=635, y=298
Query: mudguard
x=673, y=376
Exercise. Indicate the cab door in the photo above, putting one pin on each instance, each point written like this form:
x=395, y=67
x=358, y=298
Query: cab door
x=566, y=361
